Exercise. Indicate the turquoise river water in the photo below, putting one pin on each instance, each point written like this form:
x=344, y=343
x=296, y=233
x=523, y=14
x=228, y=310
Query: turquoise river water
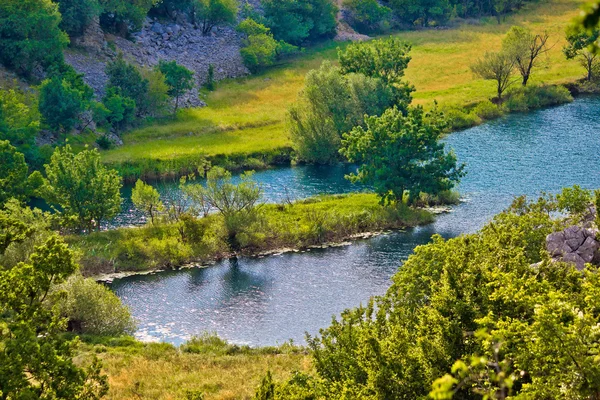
x=265, y=301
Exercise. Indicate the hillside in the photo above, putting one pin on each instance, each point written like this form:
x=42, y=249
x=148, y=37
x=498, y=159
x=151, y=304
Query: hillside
x=247, y=115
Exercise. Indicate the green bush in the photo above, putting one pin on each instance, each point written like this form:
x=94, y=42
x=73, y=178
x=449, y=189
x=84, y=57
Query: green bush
x=259, y=48
x=459, y=119
x=533, y=97
x=368, y=16
x=92, y=308
x=77, y=15
x=30, y=35
x=298, y=21
x=486, y=110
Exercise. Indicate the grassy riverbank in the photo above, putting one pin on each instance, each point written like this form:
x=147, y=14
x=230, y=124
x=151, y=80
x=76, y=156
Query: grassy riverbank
x=245, y=118
x=311, y=222
x=206, y=365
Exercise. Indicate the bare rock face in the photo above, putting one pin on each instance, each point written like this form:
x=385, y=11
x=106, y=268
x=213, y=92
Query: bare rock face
x=575, y=245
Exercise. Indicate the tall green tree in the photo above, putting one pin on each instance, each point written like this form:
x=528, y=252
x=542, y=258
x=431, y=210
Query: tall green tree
x=498, y=67
x=84, y=191
x=298, y=21
x=119, y=15
x=368, y=16
x=525, y=48
x=77, y=15
x=331, y=104
x=401, y=155
x=422, y=12
x=30, y=36
x=385, y=59
x=580, y=43
x=210, y=13
x=36, y=361
x=60, y=104
x=128, y=79
x=178, y=78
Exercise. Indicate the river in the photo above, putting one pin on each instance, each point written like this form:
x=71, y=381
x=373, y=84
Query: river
x=266, y=301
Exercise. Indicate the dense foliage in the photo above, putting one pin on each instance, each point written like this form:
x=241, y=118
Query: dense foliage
x=367, y=16
x=336, y=99
x=260, y=49
x=36, y=360
x=208, y=13
x=401, y=156
x=30, y=36
x=519, y=324
x=299, y=21
x=83, y=191
x=178, y=78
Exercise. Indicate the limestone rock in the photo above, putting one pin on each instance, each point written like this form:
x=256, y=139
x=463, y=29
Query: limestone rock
x=575, y=245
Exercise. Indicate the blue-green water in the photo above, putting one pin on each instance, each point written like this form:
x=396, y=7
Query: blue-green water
x=264, y=301
x=278, y=185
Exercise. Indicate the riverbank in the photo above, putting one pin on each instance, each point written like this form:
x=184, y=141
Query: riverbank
x=274, y=228
x=245, y=118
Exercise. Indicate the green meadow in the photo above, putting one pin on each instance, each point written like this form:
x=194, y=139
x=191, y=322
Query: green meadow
x=246, y=118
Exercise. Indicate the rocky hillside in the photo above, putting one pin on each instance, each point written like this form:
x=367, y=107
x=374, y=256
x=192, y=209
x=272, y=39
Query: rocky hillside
x=176, y=40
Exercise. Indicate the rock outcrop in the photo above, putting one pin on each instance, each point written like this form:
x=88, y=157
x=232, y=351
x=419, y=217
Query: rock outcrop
x=179, y=41
x=575, y=245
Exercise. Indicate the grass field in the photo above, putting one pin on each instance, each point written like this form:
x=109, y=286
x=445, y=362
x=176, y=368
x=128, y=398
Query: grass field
x=248, y=115
x=207, y=366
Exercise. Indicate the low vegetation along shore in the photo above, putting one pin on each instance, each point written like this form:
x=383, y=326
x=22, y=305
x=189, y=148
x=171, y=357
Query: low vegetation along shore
x=312, y=222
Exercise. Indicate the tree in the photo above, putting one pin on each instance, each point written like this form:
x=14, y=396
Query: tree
x=367, y=16
x=579, y=44
x=259, y=48
x=30, y=35
x=297, y=21
x=179, y=79
x=86, y=191
x=331, y=104
x=422, y=12
x=158, y=91
x=119, y=15
x=525, y=48
x=236, y=203
x=77, y=15
x=14, y=181
x=129, y=81
x=401, y=155
x=147, y=199
x=118, y=110
x=498, y=67
x=209, y=13
x=20, y=122
x=385, y=59
x=36, y=360
x=60, y=104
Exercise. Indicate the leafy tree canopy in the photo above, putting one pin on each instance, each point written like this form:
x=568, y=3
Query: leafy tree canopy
x=86, y=192
x=297, y=21
x=401, y=154
x=30, y=36
x=210, y=13
x=178, y=78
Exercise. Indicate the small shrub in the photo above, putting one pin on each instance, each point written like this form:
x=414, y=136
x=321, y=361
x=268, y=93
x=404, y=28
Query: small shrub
x=533, y=97
x=460, y=119
x=487, y=110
